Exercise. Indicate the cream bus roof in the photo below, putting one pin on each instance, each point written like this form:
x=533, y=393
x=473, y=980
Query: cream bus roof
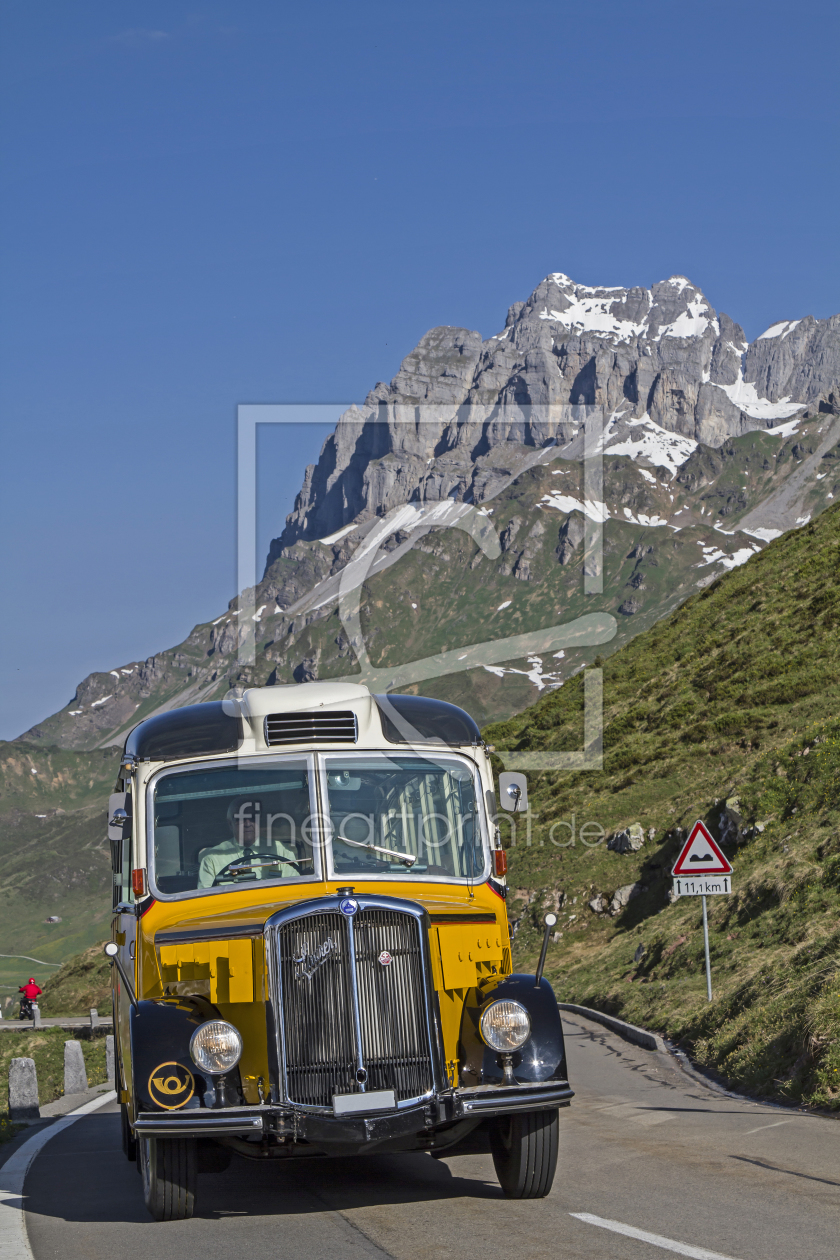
x=258, y=702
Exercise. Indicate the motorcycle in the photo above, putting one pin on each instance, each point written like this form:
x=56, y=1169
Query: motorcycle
x=26, y=1008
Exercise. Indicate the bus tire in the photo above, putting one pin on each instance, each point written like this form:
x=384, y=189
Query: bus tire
x=168, y=1167
x=524, y=1147
x=129, y=1141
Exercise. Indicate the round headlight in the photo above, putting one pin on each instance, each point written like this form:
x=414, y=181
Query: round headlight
x=216, y=1047
x=505, y=1026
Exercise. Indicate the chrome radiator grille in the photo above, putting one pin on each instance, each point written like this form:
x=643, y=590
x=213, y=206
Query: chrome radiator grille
x=313, y=960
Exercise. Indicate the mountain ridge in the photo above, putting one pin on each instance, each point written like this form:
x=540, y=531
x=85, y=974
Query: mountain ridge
x=662, y=353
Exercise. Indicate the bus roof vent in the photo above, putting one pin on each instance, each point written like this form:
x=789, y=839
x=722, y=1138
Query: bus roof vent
x=338, y=726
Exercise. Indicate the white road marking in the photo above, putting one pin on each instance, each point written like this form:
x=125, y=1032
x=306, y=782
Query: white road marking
x=765, y=1126
x=14, y=1241
x=656, y=1240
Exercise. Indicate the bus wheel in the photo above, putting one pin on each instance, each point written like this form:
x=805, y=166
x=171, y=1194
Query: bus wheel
x=524, y=1148
x=168, y=1166
x=129, y=1141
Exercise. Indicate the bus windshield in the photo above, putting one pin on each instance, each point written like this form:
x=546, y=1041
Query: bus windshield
x=230, y=824
x=403, y=817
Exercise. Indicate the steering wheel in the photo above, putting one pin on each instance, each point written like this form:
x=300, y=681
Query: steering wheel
x=242, y=861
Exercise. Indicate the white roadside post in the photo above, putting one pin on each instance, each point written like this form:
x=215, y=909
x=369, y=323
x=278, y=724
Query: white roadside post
x=701, y=870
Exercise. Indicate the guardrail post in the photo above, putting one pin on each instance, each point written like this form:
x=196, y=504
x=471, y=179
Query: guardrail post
x=36, y=1016
x=75, y=1076
x=23, y=1090
x=94, y=1017
x=109, y=1060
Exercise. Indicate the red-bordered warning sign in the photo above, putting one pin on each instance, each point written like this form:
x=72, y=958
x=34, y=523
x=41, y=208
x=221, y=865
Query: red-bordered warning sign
x=700, y=855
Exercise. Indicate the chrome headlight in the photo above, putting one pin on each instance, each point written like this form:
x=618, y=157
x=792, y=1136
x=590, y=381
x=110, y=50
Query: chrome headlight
x=505, y=1026
x=216, y=1047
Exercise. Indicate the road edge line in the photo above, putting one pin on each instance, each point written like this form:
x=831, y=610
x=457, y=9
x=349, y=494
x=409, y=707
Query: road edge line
x=14, y=1240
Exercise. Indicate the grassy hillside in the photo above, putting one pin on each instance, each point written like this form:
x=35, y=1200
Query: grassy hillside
x=54, y=859
x=83, y=982
x=734, y=695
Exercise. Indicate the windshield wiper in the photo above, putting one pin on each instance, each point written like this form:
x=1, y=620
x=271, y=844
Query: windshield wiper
x=407, y=859
x=251, y=864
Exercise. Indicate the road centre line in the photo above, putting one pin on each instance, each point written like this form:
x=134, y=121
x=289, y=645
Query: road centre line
x=656, y=1240
x=14, y=1240
x=762, y=1127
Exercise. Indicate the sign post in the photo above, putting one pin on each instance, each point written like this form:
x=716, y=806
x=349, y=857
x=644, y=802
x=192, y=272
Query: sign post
x=706, y=946
x=701, y=870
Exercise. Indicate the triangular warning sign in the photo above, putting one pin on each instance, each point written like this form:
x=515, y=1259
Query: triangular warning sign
x=700, y=855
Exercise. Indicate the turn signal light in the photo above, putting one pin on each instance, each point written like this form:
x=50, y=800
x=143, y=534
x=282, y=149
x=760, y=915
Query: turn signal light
x=138, y=882
x=499, y=862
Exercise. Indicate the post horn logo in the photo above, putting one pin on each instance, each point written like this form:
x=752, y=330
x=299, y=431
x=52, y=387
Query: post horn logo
x=171, y=1085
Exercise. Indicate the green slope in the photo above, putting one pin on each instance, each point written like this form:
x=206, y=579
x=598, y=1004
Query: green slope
x=84, y=981
x=54, y=858
x=736, y=694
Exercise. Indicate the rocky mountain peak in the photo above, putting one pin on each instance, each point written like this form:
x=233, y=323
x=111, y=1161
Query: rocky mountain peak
x=673, y=308
x=661, y=359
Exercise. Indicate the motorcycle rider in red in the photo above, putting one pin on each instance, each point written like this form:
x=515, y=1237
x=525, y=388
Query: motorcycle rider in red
x=30, y=992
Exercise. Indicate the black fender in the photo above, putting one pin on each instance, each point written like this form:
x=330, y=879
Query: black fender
x=165, y=1077
x=543, y=1056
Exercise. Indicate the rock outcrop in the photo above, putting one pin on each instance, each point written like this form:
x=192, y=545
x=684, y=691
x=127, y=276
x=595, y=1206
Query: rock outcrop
x=630, y=840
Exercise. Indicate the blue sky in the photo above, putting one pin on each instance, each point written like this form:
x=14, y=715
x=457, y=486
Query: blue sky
x=214, y=203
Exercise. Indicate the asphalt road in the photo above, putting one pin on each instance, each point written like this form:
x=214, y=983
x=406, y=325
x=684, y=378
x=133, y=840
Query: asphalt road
x=643, y=1145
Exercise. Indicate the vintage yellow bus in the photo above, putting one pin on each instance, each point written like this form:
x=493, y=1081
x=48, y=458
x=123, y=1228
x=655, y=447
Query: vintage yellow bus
x=311, y=944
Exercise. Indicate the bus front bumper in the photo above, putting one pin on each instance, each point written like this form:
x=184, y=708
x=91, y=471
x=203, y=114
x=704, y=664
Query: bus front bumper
x=324, y=1129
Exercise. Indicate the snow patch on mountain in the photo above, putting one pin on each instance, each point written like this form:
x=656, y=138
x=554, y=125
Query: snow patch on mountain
x=536, y=674
x=713, y=555
x=565, y=503
x=786, y=430
x=743, y=394
x=647, y=439
x=340, y=533
x=764, y=535
x=650, y=522
x=595, y=315
x=692, y=322
x=781, y=329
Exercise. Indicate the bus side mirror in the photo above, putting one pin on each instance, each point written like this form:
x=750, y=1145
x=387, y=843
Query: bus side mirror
x=119, y=827
x=513, y=792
